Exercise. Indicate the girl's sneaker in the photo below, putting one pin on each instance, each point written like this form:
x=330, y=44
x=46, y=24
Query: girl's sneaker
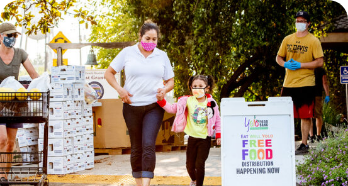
x=193, y=183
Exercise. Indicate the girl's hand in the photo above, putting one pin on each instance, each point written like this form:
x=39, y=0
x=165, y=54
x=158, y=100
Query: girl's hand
x=159, y=97
x=124, y=94
x=161, y=92
x=218, y=141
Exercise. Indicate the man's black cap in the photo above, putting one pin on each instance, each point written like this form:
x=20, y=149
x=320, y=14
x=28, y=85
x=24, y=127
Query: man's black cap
x=302, y=14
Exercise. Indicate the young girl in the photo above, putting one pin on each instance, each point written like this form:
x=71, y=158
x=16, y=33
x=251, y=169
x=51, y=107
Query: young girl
x=198, y=116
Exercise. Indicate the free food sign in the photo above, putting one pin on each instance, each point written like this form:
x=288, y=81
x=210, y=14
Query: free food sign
x=258, y=142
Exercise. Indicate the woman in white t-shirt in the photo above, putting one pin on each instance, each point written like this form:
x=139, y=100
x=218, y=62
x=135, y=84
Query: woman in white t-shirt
x=146, y=67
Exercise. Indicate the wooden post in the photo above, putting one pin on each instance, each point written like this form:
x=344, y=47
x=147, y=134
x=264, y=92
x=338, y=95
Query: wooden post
x=59, y=56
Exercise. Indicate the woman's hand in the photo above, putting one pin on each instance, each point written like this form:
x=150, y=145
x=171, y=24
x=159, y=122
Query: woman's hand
x=124, y=95
x=218, y=141
x=161, y=92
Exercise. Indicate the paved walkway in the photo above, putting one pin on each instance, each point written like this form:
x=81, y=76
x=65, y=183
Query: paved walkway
x=170, y=170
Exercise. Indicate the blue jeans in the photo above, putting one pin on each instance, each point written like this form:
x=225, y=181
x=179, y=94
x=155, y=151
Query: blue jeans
x=143, y=123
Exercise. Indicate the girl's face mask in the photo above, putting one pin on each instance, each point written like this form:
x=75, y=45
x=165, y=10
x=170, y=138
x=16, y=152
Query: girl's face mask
x=198, y=92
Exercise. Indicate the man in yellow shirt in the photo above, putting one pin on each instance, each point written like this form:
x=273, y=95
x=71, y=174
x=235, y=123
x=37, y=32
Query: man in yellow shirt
x=300, y=53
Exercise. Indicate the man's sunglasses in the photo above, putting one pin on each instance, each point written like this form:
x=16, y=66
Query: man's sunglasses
x=15, y=35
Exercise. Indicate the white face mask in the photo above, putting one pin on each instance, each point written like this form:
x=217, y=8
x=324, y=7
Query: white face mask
x=301, y=27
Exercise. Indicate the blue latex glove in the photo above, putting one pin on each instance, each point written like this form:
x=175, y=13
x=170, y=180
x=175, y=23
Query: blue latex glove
x=295, y=64
x=288, y=65
x=327, y=99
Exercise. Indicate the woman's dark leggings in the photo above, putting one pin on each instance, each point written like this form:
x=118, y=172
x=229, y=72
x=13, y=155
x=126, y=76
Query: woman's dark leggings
x=196, y=155
x=143, y=123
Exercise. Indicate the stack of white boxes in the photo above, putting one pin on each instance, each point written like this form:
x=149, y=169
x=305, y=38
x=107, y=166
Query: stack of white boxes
x=27, y=138
x=70, y=127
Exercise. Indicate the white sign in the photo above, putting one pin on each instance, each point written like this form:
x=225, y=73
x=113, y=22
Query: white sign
x=258, y=142
x=96, y=79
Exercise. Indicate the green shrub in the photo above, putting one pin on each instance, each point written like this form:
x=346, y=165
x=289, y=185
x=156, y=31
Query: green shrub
x=327, y=163
x=331, y=115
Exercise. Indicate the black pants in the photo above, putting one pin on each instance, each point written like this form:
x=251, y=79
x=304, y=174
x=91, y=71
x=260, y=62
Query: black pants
x=196, y=155
x=143, y=123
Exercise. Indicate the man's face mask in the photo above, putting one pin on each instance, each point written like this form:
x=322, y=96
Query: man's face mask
x=301, y=27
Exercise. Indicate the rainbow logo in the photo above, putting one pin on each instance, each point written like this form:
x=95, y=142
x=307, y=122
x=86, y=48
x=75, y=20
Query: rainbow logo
x=255, y=124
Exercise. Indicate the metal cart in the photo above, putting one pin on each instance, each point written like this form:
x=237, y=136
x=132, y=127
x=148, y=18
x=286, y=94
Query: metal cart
x=25, y=107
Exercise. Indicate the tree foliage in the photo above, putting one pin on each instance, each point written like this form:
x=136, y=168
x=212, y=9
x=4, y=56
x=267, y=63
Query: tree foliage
x=236, y=41
x=333, y=61
x=49, y=11
x=114, y=26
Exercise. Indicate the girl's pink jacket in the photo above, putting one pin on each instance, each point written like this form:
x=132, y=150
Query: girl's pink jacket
x=180, y=121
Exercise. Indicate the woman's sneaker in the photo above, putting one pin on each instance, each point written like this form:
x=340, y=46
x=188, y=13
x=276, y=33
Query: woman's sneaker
x=302, y=149
x=193, y=183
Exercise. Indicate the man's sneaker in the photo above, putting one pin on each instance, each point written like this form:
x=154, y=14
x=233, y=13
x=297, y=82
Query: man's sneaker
x=193, y=183
x=302, y=149
x=319, y=138
x=311, y=139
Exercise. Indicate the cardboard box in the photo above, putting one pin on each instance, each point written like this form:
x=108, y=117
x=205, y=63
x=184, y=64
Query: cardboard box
x=80, y=148
x=29, y=125
x=89, y=129
x=89, y=159
x=76, y=73
x=32, y=132
x=56, y=129
x=78, y=139
x=78, y=91
x=57, y=165
x=87, y=110
x=79, y=131
x=68, y=105
x=68, y=91
x=32, y=140
x=58, y=147
x=70, y=168
x=87, y=120
x=56, y=96
x=88, y=142
x=66, y=79
x=113, y=132
x=56, y=110
x=166, y=136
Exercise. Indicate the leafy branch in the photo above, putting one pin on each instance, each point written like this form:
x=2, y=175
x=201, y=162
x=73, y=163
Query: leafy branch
x=48, y=13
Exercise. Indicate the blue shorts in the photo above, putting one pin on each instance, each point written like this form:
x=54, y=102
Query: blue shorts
x=13, y=125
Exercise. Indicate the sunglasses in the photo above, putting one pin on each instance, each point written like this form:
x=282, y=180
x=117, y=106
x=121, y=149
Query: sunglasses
x=15, y=35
